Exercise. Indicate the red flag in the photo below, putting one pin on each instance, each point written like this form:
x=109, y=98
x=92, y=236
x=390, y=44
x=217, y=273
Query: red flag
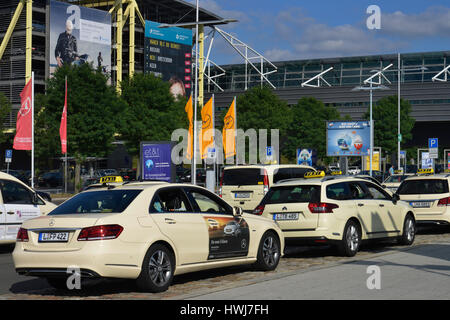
x=63, y=126
x=23, y=138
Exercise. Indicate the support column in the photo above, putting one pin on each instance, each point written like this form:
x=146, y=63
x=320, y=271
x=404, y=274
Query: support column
x=28, y=41
x=201, y=51
x=119, y=16
x=132, y=40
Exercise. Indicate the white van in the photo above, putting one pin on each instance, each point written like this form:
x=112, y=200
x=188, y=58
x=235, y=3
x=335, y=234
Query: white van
x=18, y=202
x=245, y=185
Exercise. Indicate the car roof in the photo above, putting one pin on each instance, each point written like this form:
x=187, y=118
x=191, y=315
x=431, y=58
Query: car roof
x=318, y=181
x=430, y=176
x=267, y=166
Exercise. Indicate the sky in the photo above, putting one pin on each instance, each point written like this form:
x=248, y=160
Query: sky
x=282, y=30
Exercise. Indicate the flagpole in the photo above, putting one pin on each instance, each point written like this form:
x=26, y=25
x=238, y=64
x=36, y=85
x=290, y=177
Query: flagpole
x=65, y=160
x=32, y=129
x=194, y=165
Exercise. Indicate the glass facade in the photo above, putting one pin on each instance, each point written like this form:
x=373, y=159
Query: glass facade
x=348, y=71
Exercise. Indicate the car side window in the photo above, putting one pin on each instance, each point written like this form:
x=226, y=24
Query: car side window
x=338, y=191
x=357, y=191
x=377, y=192
x=15, y=193
x=170, y=201
x=206, y=203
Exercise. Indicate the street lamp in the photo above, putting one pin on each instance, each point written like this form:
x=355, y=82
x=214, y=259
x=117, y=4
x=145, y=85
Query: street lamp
x=401, y=71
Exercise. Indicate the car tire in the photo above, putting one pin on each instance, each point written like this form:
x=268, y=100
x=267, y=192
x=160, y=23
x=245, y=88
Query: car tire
x=58, y=283
x=409, y=231
x=351, y=239
x=157, y=269
x=269, y=252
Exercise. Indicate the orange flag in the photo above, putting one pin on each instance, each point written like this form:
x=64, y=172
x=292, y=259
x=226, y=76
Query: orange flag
x=229, y=131
x=207, y=134
x=190, y=114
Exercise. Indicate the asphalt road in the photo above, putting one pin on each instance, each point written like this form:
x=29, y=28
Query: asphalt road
x=421, y=273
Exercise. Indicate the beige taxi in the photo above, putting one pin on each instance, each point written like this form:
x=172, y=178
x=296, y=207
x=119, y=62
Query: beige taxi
x=18, y=203
x=340, y=211
x=147, y=232
x=394, y=181
x=246, y=185
x=429, y=195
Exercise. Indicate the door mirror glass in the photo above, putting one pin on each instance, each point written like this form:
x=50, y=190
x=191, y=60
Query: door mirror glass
x=237, y=211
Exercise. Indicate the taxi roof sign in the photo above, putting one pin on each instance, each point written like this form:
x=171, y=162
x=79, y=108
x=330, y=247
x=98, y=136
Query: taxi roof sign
x=425, y=171
x=108, y=179
x=336, y=173
x=314, y=174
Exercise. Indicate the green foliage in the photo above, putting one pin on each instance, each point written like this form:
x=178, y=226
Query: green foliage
x=385, y=116
x=5, y=109
x=307, y=127
x=151, y=113
x=93, y=113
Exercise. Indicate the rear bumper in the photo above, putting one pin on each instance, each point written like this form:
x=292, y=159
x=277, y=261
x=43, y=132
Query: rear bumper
x=55, y=272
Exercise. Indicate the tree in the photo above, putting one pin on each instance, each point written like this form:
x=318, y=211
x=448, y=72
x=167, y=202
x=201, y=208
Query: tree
x=93, y=114
x=385, y=116
x=152, y=113
x=307, y=128
x=260, y=108
x=5, y=109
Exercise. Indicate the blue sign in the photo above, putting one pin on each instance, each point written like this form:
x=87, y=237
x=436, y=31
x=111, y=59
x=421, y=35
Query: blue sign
x=432, y=143
x=173, y=34
x=156, y=161
x=269, y=151
x=348, y=138
x=8, y=154
x=306, y=157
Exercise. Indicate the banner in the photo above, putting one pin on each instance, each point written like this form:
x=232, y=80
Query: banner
x=79, y=35
x=229, y=131
x=63, y=126
x=376, y=165
x=24, y=125
x=190, y=114
x=348, y=138
x=156, y=161
x=307, y=157
x=207, y=132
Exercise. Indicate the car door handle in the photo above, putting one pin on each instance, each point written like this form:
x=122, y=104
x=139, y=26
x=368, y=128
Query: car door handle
x=360, y=204
x=170, y=221
x=10, y=212
x=381, y=205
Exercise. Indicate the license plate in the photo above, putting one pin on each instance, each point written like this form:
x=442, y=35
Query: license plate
x=242, y=195
x=421, y=204
x=53, y=237
x=285, y=216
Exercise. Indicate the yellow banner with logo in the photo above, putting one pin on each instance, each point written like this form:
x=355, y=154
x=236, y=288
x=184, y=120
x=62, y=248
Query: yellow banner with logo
x=375, y=161
x=229, y=131
x=207, y=133
x=190, y=114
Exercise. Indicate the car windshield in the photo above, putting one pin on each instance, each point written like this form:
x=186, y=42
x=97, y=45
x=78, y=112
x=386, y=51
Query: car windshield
x=395, y=178
x=293, y=194
x=104, y=201
x=242, y=177
x=431, y=186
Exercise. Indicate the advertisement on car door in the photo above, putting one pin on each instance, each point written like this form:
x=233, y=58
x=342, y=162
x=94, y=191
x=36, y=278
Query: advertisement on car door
x=228, y=237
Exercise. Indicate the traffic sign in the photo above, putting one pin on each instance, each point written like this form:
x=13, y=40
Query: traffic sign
x=433, y=143
x=8, y=155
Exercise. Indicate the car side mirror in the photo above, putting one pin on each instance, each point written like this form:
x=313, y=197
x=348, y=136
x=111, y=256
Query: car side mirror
x=384, y=186
x=35, y=198
x=395, y=198
x=237, y=211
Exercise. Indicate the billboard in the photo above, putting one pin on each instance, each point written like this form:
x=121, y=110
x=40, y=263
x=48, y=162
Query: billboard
x=156, y=162
x=306, y=157
x=79, y=35
x=168, y=55
x=348, y=138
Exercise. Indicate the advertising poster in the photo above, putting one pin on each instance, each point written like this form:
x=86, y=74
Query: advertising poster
x=168, y=55
x=306, y=157
x=79, y=35
x=427, y=162
x=376, y=165
x=348, y=138
x=156, y=162
x=228, y=236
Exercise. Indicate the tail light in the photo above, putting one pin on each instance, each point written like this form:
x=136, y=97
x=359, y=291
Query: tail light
x=322, y=207
x=444, y=202
x=259, y=210
x=105, y=232
x=266, y=182
x=22, y=235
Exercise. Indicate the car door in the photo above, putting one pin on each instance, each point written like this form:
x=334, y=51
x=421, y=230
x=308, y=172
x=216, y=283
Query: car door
x=16, y=207
x=389, y=213
x=185, y=227
x=368, y=210
x=228, y=236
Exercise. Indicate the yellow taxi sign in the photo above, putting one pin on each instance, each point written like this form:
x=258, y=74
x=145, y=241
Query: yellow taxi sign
x=336, y=173
x=314, y=174
x=398, y=171
x=109, y=179
x=425, y=171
